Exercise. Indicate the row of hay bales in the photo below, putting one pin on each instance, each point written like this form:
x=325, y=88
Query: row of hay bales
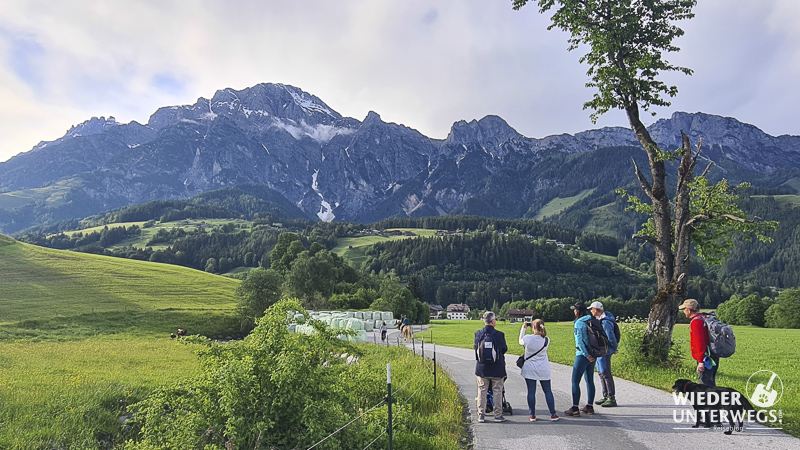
x=360, y=322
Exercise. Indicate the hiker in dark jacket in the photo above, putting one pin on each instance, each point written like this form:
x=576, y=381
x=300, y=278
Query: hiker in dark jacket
x=494, y=371
x=604, y=362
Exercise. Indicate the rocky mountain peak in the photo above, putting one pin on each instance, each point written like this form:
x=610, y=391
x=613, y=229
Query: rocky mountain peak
x=95, y=125
x=489, y=130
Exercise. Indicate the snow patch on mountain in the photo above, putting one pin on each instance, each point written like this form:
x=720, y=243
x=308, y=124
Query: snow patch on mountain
x=325, y=213
x=308, y=104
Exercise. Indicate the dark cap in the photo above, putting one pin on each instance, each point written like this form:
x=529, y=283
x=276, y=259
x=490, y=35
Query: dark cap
x=580, y=306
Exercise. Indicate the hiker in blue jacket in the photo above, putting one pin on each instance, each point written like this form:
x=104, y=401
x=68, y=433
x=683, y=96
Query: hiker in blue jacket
x=493, y=370
x=604, y=362
x=583, y=367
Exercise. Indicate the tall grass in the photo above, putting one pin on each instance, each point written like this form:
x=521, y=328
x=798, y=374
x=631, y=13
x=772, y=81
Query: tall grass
x=72, y=394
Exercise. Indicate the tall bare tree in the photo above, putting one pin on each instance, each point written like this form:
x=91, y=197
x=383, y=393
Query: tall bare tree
x=626, y=43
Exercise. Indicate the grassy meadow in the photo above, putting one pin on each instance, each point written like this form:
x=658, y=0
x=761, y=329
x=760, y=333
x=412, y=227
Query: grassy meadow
x=83, y=337
x=353, y=249
x=559, y=204
x=777, y=350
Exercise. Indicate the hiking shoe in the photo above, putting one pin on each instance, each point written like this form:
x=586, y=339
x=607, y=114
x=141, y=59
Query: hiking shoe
x=554, y=417
x=588, y=409
x=574, y=412
x=499, y=419
x=481, y=418
x=601, y=401
x=533, y=419
x=609, y=402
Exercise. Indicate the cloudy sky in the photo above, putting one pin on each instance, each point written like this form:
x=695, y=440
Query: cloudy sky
x=421, y=63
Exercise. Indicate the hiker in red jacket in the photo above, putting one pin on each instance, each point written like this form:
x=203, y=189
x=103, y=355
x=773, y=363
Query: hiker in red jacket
x=698, y=339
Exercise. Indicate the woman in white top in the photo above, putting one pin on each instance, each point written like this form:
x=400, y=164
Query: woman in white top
x=537, y=368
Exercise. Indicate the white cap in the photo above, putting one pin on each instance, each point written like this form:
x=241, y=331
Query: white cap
x=596, y=305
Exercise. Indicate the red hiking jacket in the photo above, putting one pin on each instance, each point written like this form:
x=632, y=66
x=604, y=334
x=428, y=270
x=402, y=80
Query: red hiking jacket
x=698, y=337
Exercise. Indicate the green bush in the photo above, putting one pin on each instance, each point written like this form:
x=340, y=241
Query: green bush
x=785, y=312
x=278, y=389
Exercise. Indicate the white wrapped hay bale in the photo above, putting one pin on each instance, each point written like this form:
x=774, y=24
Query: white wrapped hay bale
x=367, y=325
x=359, y=338
x=359, y=315
x=355, y=324
x=299, y=318
x=368, y=315
x=387, y=316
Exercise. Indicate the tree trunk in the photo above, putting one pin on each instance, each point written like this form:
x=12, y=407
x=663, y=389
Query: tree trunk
x=672, y=261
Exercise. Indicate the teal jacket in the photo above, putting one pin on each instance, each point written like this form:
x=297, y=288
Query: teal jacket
x=582, y=336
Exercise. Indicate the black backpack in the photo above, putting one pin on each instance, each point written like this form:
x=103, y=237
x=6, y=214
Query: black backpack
x=598, y=342
x=617, y=334
x=486, y=351
x=721, y=340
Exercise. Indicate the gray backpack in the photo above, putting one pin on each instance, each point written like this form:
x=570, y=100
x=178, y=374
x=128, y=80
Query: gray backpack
x=721, y=340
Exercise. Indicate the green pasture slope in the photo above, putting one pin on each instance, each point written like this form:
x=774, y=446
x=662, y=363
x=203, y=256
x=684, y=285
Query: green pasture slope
x=353, y=249
x=150, y=232
x=777, y=350
x=82, y=335
x=559, y=204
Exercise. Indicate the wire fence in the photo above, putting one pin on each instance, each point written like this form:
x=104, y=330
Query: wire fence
x=388, y=400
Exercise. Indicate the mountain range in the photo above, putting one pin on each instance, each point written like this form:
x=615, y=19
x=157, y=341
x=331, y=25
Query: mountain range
x=338, y=168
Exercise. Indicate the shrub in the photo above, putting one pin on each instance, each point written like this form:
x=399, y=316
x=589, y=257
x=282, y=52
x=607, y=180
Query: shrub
x=785, y=312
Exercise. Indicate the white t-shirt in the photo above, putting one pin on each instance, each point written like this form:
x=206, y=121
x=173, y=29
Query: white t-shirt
x=538, y=367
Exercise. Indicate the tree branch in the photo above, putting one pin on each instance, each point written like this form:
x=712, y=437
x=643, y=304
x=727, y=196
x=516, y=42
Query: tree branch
x=643, y=181
x=705, y=217
x=646, y=238
x=694, y=160
x=710, y=163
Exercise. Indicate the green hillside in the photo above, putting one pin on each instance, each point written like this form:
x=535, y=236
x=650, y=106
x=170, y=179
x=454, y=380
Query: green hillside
x=559, y=204
x=353, y=249
x=47, y=293
x=84, y=336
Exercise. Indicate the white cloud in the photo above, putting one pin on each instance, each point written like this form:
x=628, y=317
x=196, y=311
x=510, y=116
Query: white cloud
x=423, y=64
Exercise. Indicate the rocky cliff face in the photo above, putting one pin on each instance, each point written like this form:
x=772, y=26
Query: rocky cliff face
x=338, y=168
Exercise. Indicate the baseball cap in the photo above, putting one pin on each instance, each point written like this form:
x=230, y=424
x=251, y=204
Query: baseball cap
x=691, y=304
x=597, y=305
x=579, y=306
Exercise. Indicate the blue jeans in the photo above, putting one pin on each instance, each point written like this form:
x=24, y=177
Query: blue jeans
x=548, y=396
x=582, y=368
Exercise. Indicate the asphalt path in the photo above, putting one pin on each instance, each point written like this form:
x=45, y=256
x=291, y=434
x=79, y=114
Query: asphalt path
x=644, y=419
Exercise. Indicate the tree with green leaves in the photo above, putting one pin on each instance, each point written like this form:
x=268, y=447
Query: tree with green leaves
x=260, y=290
x=626, y=43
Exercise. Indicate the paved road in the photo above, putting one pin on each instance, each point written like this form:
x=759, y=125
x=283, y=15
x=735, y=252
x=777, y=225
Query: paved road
x=644, y=419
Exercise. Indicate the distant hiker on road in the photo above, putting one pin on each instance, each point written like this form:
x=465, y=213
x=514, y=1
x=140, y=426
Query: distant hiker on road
x=584, y=362
x=537, y=366
x=604, y=362
x=490, y=348
x=698, y=341
x=383, y=332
